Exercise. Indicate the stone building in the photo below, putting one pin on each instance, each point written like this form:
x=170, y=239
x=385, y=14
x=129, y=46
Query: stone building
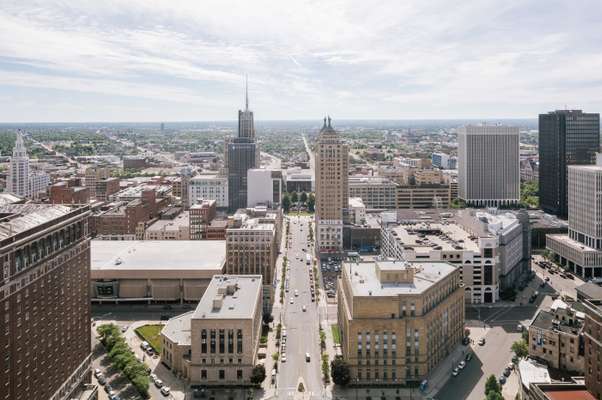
x=398, y=320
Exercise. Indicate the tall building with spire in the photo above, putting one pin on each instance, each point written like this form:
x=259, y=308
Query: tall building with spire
x=18, y=174
x=332, y=189
x=241, y=155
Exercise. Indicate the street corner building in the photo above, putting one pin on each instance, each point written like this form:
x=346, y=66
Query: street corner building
x=398, y=320
x=45, y=302
x=217, y=343
x=149, y=271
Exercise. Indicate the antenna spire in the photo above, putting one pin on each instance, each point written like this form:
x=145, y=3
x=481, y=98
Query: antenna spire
x=246, y=93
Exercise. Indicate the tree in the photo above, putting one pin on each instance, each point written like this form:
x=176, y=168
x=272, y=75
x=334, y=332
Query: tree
x=311, y=202
x=258, y=374
x=303, y=197
x=520, y=348
x=339, y=370
x=294, y=197
x=286, y=202
x=494, y=396
x=491, y=385
x=267, y=318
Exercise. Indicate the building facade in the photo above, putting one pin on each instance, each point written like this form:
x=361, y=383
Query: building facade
x=398, y=320
x=217, y=344
x=376, y=192
x=332, y=189
x=241, y=156
x=581, y=250
x=45, y=299
x=208, y=187
x=488, y=165
x=593, y=346
x=17, y=179
x=63, y=193
x=265, y=187
x=566, y=137
x=93, y=175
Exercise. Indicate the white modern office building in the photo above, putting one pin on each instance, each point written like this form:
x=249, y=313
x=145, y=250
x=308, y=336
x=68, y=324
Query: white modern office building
x=265, y=187
x=488, y=165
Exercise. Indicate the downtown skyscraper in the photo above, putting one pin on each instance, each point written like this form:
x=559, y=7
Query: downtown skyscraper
x=241, y=155
x=566, y=137
x=332, y=189
x=17, y=180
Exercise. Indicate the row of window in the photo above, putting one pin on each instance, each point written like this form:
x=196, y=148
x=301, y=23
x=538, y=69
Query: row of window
x=217, y=341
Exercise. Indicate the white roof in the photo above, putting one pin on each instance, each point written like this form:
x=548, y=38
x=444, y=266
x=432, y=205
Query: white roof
x=533, y=372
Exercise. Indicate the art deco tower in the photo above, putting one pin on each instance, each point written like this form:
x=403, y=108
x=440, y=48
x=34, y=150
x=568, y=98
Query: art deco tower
x=332, y=189
x=18, y=174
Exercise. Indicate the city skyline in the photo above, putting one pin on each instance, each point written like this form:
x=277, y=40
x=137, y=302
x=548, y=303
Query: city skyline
x=145, y=61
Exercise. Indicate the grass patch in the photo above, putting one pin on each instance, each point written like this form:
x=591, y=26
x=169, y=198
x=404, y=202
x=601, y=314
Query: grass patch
x=152, y=335
x=336, y=333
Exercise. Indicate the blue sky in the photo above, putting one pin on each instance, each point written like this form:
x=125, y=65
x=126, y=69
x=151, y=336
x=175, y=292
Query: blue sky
x=148, y=60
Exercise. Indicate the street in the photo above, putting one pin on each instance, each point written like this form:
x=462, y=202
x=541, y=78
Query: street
x=301, y=326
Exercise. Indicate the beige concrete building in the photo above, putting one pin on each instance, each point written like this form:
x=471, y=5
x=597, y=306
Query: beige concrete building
x=581, y=250
x=217, y=344
x=555, y=338
x=153, y=271
x=170, y=229
x=252, y=241
x=332, y=189
x=93, y=175
x=398, y=320
x=376, y=192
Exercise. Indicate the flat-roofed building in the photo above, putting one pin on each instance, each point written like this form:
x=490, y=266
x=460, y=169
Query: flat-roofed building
x=217, y=343
x=252, y=240
x=201, y=215
x=376, y=192
x=555, y=338
x=63, y=193
x=398, y=319
x=491, y=250
x=154, y=271
x=208, y=187
x=45, y=301
x=93, y=175
x=488, y=165
x=177, y=228
x=559, y=391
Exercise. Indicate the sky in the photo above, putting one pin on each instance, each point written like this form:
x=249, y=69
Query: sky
x=151, y=60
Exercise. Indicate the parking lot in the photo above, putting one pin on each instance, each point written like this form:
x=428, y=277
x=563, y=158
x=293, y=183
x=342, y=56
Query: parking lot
x=331, y=270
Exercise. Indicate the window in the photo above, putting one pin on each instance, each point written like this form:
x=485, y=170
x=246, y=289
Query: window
x=212, y=340
x=239, y=341
x=204, y=374
x=239, y=374
x=222, y=374
x=222, y=341
x=230, y=341
x=204, y=341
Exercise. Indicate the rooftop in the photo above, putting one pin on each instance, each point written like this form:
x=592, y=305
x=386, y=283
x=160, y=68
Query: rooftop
x=180, y=221
x=230, y=297
x=9, y=198
x=533, y=372
x=589, y=290
x=546, y=320
x=424, y=237
x=367, y=278
x=17, y=218
x=177, y=329
x=157, y=254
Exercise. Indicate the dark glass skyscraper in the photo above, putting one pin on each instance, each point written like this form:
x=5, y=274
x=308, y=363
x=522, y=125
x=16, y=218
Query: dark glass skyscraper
x=241, y=155
x=566, y=137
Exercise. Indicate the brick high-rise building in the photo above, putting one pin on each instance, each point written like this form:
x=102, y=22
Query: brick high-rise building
x=566, y=137
x=45, y=301
x=592, y=331
x=332, y=189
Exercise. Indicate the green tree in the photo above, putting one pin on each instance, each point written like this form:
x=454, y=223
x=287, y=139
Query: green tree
x=258, y=374
x=340, y=372
x=458, y=203
x=286, y=202
x=311, y=202
x=491, y=385
x=494, y=396
x=520, y=348
x=303, y=197
x=294, y=197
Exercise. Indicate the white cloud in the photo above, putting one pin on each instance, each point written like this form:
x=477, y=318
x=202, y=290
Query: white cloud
x=358, y=59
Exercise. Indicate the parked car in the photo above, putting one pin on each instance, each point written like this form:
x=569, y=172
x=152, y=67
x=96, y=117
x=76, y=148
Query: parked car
x=482, y=341
x=462, y=364
x=502, y=379
x=165, y=390
x=468, y=357
x=455, y=372
x=507, y=371
x=307, y=357
x=102, y=380
x=158, y=383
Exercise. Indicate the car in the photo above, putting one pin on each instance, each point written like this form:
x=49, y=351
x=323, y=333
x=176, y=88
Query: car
x=502, y=379
x=570, y=276
x=296, y=293
x=455, y=372
x=468, y=357
x=283, y=358
x=482, y=342
x=111, y=394
x=153, y=377
x=292, y=301
x=144, y=345
x=547, y=279
x=465, y=340
x=101, y=380
x=158, y=383
x=304, y=308
x=115, y=397
x=532, y=299
x=507, y=371
x=510, y=366
x=462, y=364
x=108, y=388
x=165, y=390
x=307, y=357
x=124, y=329
x=519, y=327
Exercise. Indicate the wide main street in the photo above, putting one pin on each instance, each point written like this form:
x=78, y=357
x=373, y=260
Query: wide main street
x=301, y=326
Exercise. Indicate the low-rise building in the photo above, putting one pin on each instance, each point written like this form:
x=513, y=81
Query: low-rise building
x=299, y=180
x=559, y=391
x=177, y=228
x=491, y=248
x=555, y=338
x=398, y=319
x=63, y=193
x=105, y=188
x=375, y=192
x=217, y=344
x=201, y=214
x=153, y=271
